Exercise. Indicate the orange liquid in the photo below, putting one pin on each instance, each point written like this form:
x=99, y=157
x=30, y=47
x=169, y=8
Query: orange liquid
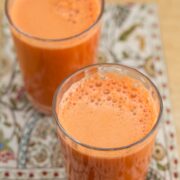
x=46, y=64
x=107, y=111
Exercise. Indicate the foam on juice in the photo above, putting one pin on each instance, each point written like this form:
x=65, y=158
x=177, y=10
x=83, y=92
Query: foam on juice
x=54, y=18
x=107, y=110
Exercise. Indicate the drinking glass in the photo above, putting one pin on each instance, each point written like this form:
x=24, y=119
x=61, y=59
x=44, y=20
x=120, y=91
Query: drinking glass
x=46, y=62
x=83, y=161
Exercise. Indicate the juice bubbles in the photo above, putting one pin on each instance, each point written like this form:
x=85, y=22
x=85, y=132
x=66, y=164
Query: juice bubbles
x=107, y=117
x=53, y=38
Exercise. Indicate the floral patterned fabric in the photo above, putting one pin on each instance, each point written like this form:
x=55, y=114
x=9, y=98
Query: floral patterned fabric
x=28, y=144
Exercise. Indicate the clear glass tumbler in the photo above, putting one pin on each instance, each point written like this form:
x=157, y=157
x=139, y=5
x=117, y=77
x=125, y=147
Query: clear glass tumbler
x=83, y=161
x=46, y=62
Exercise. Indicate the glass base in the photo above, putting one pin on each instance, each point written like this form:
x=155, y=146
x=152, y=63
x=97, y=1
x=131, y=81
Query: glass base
x=39, y=107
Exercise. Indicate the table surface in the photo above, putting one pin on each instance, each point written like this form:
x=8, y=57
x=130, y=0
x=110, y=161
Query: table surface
x=170, y=28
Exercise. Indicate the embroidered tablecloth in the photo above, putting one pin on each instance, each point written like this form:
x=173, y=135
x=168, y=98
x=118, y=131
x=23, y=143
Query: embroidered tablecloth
x=28, y=144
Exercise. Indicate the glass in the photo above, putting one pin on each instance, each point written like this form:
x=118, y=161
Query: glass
x=46, y=62
x=83, y=161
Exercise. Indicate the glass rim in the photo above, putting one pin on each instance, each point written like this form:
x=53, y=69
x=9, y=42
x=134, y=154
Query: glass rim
x=53, y=39
x=155, y=126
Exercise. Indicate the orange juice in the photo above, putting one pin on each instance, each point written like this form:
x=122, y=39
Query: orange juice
x=106, y=114
x=53, y=38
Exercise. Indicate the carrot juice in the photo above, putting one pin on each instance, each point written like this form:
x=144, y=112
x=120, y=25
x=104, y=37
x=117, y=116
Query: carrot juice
x=107, y=117
x=53, y=38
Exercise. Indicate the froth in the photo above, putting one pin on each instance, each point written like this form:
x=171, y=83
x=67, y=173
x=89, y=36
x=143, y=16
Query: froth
x=54, y=18
x=125, y=100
